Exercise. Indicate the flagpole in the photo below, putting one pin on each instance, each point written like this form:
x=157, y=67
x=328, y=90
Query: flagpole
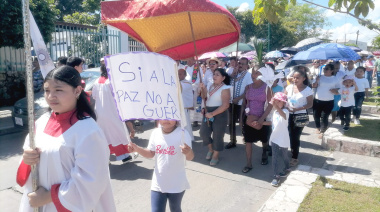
x=29, y=88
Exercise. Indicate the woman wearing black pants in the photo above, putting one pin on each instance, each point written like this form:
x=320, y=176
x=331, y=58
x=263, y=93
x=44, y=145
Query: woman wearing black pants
x=300, y=98
x=324, y=98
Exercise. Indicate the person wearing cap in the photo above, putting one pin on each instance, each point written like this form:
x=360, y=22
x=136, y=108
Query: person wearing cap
x=347, y=91
x=369, y=65
x=279, y=139
x=187, y=97
x=239, y=82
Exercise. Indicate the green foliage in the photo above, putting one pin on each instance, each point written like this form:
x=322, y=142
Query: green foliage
x=304, y=21
x=351, y=44
x=259, y=47
x=376, y=42
x=272, y=10
x=301, y=21
x=11, y=24
x=82, y=18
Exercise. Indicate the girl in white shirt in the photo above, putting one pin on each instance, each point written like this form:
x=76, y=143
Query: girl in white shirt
x=362, y=93
x=170, y=145
x=279, y=139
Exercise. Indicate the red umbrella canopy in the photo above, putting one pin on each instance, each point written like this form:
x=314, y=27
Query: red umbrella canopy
x=164, y=26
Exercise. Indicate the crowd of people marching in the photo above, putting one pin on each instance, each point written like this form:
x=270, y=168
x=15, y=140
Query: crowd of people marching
x=74, y=140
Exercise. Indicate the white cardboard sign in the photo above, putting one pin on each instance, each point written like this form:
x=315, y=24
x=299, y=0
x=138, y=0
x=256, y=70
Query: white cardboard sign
x=144, y=85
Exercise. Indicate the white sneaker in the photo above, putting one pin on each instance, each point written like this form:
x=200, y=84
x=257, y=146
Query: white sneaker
x=356, y=121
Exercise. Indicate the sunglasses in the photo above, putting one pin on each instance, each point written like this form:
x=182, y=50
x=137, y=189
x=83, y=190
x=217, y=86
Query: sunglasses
x=211, y=64
x=242, y=64
x=327, y=69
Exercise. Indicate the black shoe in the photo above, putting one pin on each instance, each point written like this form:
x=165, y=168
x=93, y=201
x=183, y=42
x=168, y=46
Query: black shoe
x=195, y=124
x=127, y=159
x=230, y=145
x=130, y=158
x=346, y=128
x=342, y=122
x=264, y=160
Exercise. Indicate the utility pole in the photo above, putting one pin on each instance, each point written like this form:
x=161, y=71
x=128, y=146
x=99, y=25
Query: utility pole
x=357, y=36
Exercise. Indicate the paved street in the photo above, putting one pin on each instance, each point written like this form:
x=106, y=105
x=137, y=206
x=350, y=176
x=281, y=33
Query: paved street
x=220, y=188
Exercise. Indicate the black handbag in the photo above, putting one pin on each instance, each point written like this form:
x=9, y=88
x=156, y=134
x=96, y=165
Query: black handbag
x=301, y=120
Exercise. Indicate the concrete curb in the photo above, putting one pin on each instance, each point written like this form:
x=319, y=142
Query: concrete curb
x=334, y=139
x=371, y=109
x=294, y=189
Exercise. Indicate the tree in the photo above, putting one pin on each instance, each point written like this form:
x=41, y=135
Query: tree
x=376, y=42
x=302, y=21
x=272, y=11
x=11, y=24
x=85, y=12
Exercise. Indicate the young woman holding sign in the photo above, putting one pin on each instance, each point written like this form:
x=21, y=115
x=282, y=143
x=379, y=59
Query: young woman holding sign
x=71, y=154
x=215, y=120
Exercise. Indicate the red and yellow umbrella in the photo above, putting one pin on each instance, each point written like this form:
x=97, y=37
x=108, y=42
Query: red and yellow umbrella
x=170, y=27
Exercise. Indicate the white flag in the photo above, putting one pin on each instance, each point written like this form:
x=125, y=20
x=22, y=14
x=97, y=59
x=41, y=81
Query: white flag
x=46, y=64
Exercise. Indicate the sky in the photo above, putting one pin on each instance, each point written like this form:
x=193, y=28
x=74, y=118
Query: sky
x=341, y=25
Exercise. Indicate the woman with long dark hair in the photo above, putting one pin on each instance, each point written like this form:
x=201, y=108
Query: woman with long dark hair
x=71, y=152
x=300, y=98
x=215, y=120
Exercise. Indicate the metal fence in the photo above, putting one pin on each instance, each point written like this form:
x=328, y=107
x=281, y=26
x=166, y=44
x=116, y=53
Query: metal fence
x=87, y=42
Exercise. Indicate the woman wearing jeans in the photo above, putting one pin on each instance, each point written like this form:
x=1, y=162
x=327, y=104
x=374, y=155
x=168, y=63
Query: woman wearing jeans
x=324, y=98
x=300, y=98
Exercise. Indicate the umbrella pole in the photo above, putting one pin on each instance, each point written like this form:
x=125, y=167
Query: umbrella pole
x=196, y=61
x=30, y=91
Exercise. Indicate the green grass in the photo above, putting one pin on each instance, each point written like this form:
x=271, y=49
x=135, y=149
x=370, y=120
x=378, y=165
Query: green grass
x=368, y=129
x=372, y=101
x=342, y=197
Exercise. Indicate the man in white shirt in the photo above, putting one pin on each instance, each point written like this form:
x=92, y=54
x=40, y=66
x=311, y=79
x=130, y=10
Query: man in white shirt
x=238, y=82
x=187, y=96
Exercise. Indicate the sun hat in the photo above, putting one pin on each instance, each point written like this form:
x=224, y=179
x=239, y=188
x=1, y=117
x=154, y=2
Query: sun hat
x=214, y=59
x=279, y=96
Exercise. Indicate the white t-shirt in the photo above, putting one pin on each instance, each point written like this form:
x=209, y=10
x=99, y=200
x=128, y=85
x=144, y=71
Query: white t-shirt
x=314, y=72
x=347, y=96
x=362, y=84
x=216, y=99
x=247, y=79
x=350, y=72
x=187, y=94
x=325, y=84
x=189, y=71
x=339, y=75
x=297, y=100
x=230, y=70
x=280, y=133
x=169, y=174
